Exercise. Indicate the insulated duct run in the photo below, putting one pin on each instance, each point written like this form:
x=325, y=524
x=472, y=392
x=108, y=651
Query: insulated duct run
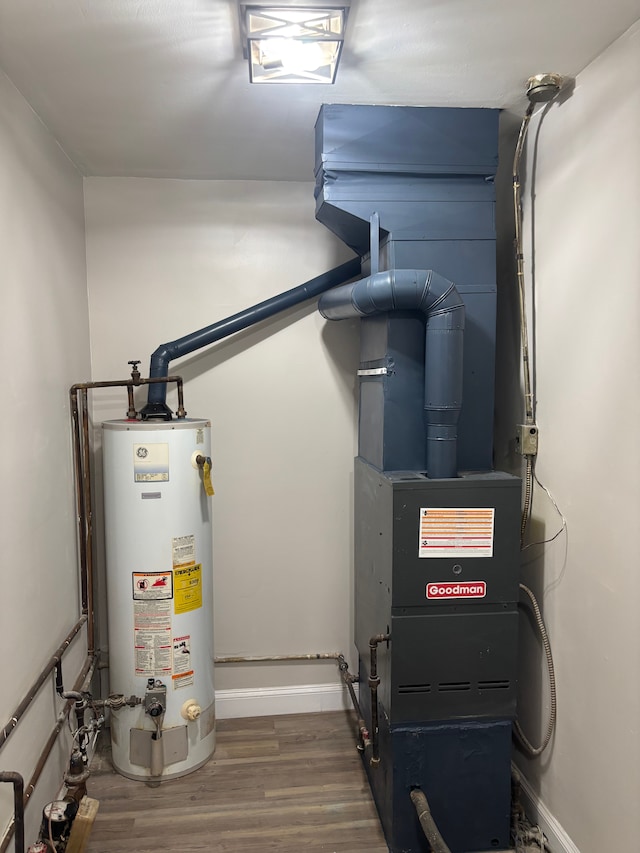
x=438, y=299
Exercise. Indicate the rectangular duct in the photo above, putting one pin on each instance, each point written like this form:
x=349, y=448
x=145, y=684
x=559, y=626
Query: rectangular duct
x=429, y=175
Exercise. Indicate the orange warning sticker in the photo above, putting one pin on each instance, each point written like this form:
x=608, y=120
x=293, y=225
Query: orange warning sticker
x=456, y=532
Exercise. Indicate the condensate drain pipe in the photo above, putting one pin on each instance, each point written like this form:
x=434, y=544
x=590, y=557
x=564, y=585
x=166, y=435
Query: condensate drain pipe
x=438, y=299
x=156, y=406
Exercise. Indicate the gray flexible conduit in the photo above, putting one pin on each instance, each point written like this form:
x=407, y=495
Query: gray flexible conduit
x=431, y=831
x=528, y=496
x=534, y=751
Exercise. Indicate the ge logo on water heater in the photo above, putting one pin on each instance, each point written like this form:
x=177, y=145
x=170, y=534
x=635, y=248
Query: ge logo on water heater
x=142, y=452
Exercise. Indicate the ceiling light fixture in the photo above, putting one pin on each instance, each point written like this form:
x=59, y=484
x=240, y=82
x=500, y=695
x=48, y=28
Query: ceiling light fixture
x=293, y=44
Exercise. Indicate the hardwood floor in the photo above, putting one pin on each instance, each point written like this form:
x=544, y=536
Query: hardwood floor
x=292, y=784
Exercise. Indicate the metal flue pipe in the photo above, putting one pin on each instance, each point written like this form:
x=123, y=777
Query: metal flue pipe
x=165, y=353
x=443, y=307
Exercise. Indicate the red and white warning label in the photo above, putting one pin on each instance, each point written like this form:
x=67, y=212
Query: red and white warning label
x=152, y=638
x=456, y=532
x=460, y=589
x=182, y=675
x=152, y=586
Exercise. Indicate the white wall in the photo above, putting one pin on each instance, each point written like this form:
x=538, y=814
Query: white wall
x=583, y=200
x=45, y=348
x=168, y=257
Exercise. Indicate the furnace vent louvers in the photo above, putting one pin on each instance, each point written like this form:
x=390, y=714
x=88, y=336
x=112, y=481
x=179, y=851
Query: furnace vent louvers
x=438, y=299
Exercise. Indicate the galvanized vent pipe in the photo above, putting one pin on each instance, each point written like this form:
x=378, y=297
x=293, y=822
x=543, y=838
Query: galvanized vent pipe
x=442, y=305
x=156, y=406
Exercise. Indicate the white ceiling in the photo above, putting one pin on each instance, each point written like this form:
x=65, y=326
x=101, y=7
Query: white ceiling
x=159, y=87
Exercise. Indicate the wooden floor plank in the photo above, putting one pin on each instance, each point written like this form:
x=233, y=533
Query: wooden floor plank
x=292, y=784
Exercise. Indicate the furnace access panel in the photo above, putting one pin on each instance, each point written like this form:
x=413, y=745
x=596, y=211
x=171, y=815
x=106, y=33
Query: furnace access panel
x=437, y=565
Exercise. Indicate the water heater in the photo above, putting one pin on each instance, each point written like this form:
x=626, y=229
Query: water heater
x=159, y=594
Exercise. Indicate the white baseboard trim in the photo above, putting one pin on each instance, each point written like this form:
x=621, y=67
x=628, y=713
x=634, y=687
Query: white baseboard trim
x=273, y=701
x=539, y=814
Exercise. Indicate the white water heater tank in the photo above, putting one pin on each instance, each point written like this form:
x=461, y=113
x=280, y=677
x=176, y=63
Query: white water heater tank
x=159, y=595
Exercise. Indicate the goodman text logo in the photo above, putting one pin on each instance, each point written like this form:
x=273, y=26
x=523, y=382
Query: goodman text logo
x=470, y=589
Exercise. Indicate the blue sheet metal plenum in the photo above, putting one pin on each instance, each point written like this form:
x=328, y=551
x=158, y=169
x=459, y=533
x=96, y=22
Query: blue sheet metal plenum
x=429, y=175
x=448, y=676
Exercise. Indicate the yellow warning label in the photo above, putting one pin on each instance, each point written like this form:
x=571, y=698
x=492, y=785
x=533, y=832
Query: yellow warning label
x=187, y=588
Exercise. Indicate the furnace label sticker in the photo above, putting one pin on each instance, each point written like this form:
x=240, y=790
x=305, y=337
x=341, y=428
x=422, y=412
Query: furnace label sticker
x=183, y=550
x=151, y=463
x=152, y=638
x=456, y=532
x=182, y=672
x=152, y=586
x=188, y=588
x=464, y=589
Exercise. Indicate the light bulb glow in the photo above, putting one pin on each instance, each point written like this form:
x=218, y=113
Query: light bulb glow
x=293, y=45
x=294, y=56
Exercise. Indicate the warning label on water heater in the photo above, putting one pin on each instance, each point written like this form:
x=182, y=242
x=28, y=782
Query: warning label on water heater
x=152, y=639
x=182, y=670
x=188, y=586
x=152, y=586
x=183, y=550
x=456, y=532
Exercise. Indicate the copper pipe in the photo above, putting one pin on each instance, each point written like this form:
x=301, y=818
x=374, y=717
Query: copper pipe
x=124, y=383
x=88, y=503
x=374, y=683
x=81, y=682
x=364, y=740
x=35, y=687
x=18, y=805
x=181, y=412
x=275, y=658
x=80, y=508
x=82, y=468
x=131, y=412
